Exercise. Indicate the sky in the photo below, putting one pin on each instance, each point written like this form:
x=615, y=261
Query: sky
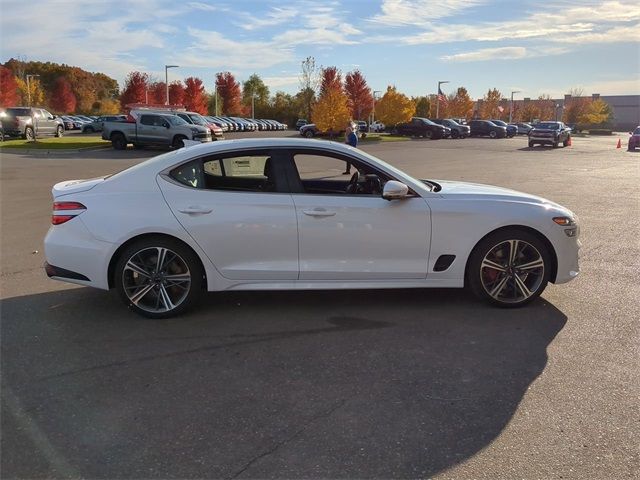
x=529, y=46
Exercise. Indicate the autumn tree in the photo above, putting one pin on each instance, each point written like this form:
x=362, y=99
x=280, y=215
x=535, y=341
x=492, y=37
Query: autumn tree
x=547, y=107
x=423, y=106
x=32, y=91
x=62, y=98
x=598, y=113
x=394, y=107
x=331, y=113
x=490, y=104
x=176, y=93
x=8, y=88
x=575, y=106
x=330, y=79
x=195, y=99
x=229, y=91
x=461, y=105
x=309, y=80
x=528, y=112
x=255, y=87
x=156, y=93
x=135, y=86
x=358, y=95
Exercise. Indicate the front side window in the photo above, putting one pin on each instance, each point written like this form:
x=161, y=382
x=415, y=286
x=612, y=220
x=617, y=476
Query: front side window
x=335, y=175
x=148, y=120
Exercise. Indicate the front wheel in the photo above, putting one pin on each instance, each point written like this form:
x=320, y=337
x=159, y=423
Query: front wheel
x=428, y=134
x=158, y=277
x=178, y=142
x=59, y=131
x=509, y=268
x=29, y=135
x=531, y=144
x=493, y=134
x=308, y=134
x=455, y=134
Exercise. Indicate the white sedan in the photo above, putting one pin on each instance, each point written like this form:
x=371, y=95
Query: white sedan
x=273, y=214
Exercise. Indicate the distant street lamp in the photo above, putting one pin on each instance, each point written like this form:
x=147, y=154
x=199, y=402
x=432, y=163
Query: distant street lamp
x=438, y=98
x=215, y=98
x=557, y=107
x=253, y=105
x=373, y=106
x=29, y=76
x=166, y=80
x=511, y=106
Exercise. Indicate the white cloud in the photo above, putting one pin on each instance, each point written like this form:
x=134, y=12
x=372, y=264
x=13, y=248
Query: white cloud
x=275, y=82
x=503, y=53
x=205, y=7
x=276, y=16
x=418, y=12
x=614, y=87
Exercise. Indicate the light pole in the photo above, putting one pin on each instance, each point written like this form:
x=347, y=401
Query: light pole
x=29, y=76
x=511, y=106
x=253, y=105
x=166, y=80
x=438, y=98
x=373, y=106
x=215, y=98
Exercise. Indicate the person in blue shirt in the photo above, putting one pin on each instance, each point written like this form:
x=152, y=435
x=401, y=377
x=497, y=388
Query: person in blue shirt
x=351, y=138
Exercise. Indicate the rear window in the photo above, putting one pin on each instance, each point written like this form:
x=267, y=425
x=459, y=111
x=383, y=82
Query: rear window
x=19, y=112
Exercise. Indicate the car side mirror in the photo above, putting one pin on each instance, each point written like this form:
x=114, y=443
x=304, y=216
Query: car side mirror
x=394, y=190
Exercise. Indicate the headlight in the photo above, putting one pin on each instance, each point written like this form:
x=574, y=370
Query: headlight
x=564, y=221
x=195, y=130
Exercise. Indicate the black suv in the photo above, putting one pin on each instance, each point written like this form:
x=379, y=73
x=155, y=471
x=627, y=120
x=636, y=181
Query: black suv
x=30, y=122
x=550, y=133
x=485, y=128
x=420, y=127
x=457, y=130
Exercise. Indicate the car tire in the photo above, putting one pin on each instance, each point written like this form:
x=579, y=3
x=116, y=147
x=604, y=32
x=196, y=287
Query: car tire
x=428, y=134
x=59, y=131
x=531, y=144
x=178, y=141
x=493, y=134
x=88, y=130
x=158, y=291
x=308, y=134
x=29, y=134
x=555, y=144
x=566, y=142
x=118, y=141
x=508, y=284
x=455, y=134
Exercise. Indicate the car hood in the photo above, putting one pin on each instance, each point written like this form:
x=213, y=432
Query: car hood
x=477, y=191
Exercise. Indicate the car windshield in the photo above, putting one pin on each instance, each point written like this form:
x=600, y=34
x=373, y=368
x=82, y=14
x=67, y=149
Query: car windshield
x=453, y=122
x=427, y=121
x=548, y=125
x=499, y=122
x=198, y=120
x=175, y=120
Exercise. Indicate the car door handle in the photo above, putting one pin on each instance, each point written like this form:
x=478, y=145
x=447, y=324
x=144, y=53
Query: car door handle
x=318, y=212
x=195, y=210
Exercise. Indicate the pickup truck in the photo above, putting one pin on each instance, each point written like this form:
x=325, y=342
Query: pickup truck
x=550, y=133
x=162, y=129
x=30, y=122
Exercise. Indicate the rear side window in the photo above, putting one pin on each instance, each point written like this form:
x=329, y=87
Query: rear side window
x=18, y=112
x=247, y=172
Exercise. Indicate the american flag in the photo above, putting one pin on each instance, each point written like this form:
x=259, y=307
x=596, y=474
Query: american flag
x=442, y=98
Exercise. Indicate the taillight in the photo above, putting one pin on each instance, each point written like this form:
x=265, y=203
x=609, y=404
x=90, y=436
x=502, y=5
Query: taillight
x=70, y=209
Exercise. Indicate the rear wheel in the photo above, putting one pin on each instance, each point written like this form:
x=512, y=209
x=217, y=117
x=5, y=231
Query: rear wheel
x=509, y=268
x=29, y=135
x=59, y=131
x=308, y=134
x=455, y=134
x=493, y=134
x=118, y=141
x=428, y=134
x=158, y=277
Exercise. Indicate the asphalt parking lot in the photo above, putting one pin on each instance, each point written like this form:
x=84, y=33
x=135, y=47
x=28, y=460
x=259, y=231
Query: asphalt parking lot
x=337, y=384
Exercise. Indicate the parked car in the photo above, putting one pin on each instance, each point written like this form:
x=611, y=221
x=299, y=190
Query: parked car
x=300, y=123
x=634, y=139
x=267, y=214
x=485, y=128
x=309, y=130
x=96, y=125
x=512, y=130
x=150, y=128
x=362, y=126
x=457, y=130
x=523, y=128
x=376, y=126
x=223, y=126
x=30, y=123
x=421, y=127
x=68, y=123
x=550, y=133
x=197, y=119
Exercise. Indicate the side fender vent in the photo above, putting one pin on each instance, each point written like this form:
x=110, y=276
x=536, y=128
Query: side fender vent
x=443, y=262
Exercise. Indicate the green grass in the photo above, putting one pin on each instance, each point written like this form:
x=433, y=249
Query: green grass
x=376, y=137
x=52, y=143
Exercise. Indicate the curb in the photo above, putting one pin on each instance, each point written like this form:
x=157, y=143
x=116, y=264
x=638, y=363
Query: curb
x=56, y=151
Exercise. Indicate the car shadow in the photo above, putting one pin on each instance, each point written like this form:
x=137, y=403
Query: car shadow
x=339, y=384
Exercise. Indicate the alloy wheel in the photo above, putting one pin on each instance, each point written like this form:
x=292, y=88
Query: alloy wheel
x=156, y=279
x=512, y=271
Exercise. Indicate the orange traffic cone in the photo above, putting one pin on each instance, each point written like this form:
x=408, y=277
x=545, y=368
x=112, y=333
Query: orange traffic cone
x=619, y=143
x=569, y=141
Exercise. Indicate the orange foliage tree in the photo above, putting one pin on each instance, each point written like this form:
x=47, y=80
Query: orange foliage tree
x=62, y=99
x=228, y=90
x=195, y=99
x=8, y=88
x=394, y=107
x=358, y=95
